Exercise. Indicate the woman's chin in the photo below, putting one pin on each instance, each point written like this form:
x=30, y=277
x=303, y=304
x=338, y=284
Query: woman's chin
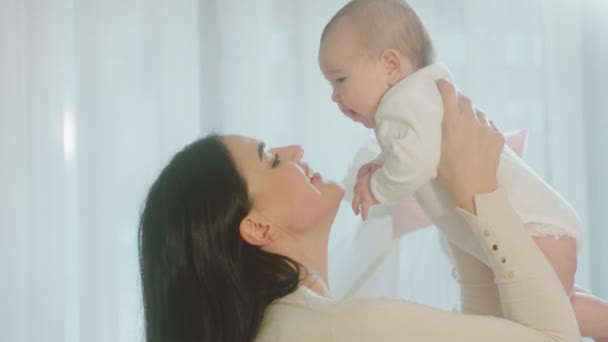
x=335, y=190
x=337, y=200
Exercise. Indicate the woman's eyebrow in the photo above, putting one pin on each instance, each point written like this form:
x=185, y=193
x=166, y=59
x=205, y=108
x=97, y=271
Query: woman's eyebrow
x=261, y=147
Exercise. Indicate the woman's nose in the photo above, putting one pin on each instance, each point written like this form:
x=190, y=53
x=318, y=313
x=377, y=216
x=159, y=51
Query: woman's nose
x=291, y=152
x=295, y=152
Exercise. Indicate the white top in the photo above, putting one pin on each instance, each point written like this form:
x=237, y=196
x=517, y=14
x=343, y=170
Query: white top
x=529, y=296
x=408, y=130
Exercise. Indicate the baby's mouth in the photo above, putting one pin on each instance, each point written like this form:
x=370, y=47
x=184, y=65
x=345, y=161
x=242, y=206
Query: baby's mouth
x=352, y=114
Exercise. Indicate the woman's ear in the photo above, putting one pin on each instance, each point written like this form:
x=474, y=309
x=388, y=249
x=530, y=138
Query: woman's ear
x=395, y=65
x=255, y=231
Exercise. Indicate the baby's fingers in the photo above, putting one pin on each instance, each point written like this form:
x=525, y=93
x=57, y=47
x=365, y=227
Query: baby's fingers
x=356, y=203
x=364, y=208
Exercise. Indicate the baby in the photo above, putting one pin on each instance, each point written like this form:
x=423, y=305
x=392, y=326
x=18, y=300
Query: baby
x=380, y=61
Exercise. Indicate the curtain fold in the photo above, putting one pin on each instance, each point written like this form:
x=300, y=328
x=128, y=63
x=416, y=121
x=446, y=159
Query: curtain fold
x=595, y=119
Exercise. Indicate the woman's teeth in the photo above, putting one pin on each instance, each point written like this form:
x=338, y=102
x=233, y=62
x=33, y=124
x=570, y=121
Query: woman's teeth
x=310, y=174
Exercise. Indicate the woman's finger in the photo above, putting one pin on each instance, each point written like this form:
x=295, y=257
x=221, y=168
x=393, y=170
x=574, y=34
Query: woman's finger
x=449, y=99
x=465, y=106
x=481, y=117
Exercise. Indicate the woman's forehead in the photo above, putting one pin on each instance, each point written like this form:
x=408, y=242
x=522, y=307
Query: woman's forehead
x=239, y=143
x=245, y=151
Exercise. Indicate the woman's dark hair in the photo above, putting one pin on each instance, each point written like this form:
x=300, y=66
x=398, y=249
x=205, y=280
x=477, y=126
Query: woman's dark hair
x=200, y=280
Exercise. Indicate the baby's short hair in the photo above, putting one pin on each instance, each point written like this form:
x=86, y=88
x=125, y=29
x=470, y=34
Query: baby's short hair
x=383, y=24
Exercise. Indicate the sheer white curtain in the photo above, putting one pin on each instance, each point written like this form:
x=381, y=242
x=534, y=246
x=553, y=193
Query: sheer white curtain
x=96, y=96
x=595, y=71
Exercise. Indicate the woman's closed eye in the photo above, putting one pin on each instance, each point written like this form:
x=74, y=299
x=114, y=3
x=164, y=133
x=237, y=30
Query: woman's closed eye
x=275, y=160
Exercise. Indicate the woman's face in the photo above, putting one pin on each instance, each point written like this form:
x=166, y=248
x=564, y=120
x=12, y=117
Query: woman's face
x=284, y=189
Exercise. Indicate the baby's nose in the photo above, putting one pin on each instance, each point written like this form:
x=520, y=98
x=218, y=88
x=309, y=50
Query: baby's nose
x=334, y=97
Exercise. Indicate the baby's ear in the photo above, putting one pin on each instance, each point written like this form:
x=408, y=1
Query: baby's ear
x=395, y=65
x=392, y=64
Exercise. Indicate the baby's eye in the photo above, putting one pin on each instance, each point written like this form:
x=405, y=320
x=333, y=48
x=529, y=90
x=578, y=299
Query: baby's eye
x=339, y=81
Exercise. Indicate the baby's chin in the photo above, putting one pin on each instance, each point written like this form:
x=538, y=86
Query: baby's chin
x=368, y=121
x=370, y=125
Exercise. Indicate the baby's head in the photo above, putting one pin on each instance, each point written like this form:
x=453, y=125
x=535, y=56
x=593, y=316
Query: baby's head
x=367, y=47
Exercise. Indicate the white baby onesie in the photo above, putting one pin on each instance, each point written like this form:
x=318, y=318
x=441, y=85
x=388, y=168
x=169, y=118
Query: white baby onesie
x=408, y=130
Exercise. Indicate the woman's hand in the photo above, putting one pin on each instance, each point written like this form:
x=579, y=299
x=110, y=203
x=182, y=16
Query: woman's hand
x=470, y=148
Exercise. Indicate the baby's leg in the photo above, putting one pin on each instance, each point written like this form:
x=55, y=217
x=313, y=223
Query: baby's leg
x=561, y=253
x=591, y=313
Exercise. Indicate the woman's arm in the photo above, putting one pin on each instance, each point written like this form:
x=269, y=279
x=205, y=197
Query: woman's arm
x=530, y=292
x=478, y=293
x=535, y=306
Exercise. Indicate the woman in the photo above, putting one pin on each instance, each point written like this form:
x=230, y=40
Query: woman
x=233, y=247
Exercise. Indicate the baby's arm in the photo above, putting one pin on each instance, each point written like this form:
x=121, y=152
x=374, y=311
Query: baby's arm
x=410, y=160
x=368, y=168
x=408, y=129
x=561, y=253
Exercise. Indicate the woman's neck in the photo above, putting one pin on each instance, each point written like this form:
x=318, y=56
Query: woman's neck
x=316, y=283
x=310, y=251
x=313, y=256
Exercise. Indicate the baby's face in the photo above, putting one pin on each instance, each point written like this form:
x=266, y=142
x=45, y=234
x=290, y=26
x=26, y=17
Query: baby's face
x=358, y=80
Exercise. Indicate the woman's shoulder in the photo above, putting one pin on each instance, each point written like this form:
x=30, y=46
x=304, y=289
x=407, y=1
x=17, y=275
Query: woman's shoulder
x=300, y=316
x=304, y=313
x=359, y=308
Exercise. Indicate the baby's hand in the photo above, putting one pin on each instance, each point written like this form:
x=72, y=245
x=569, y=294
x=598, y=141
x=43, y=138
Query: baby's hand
x=367, y=168
x=364, y=198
